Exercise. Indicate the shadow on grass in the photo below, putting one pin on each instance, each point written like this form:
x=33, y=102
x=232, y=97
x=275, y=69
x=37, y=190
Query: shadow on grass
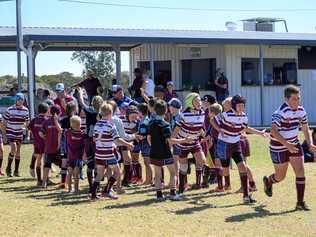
x=260, y=212
x=4, y=181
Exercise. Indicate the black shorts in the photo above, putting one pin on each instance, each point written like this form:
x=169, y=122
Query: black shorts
x=161, y=162
x=50, y=159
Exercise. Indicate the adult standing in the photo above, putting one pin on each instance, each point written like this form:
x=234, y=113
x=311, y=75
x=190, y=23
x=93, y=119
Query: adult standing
x=62, y=99
x=138, y=82
x=149, y=84
x=91, y=84
x=221, y=86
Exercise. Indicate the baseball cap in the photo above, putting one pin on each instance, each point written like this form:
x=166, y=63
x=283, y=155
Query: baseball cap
x=19, y=96
x=116, y=88
x=60, y=87
x=209, y=98
x=170, y=83
x=176, y=103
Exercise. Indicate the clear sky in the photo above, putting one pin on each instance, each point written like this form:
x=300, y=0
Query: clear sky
x=63, y=14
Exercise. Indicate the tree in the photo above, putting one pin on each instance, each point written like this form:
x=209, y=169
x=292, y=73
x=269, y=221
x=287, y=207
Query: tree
x=100, y=62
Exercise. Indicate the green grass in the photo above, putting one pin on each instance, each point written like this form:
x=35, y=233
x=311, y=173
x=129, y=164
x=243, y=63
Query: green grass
x=28, y=211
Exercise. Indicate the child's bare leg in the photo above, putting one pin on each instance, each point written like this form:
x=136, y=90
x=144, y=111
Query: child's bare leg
x=76, y=178
x=38, y=167
x=149, y=174
x=100, y=173
x=69, y=178
x=137, y=169
x=158, y=185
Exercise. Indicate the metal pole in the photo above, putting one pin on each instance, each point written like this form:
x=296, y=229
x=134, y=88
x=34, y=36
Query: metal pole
x=18, y=48
x=118, y=63
x=30, y=75
x=261, y=76
x=152, y=61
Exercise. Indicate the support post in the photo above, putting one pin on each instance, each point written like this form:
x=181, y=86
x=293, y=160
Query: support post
x=117, y=50
x=261, y=76
x=152, y=61
x=18, y=48
x=30, y=75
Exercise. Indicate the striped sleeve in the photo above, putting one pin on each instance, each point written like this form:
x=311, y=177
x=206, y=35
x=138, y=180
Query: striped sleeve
x=276, y=119
x=304, y=119
x=180, y=121
x=6, y=115
x=218, y=119
x=245, y=123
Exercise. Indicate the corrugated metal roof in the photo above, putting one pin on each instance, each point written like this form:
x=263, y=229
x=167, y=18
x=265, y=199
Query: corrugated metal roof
x=61, y=34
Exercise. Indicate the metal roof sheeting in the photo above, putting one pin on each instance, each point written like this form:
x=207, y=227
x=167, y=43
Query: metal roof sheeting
x=138, y=36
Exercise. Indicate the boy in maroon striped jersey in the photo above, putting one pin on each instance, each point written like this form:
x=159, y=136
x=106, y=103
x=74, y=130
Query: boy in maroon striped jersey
x=231, y=125
x=191, y=125
x=1, y=144
x=105, y=137
x=285, y=147
x=15, y=118
x=36, y=126
x=75, y=152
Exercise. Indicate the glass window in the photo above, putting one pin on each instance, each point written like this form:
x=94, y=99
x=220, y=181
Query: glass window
x=276, y=71
x=198, y=73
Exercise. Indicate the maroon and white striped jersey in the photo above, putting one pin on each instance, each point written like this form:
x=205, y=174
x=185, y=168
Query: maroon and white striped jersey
x=83, y=124
x=232, y=125
x=105, y=134
x=288, y=122
x=15, y=119
x=191, y=125
x=130, y=127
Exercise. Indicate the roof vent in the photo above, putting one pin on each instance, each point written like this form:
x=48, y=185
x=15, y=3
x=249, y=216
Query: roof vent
x=231, y=26
x=262, y=24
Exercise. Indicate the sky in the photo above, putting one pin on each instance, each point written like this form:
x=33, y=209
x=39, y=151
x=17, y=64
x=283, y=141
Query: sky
x=64, y=14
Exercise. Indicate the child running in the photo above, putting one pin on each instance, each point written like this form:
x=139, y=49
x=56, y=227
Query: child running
x=285, y=147
x=230, y=125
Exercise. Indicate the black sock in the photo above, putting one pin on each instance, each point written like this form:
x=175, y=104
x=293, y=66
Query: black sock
x=172, y=192
x=10, y=160
x=159, y=194
x=33, y=160
x=39, y=174
x=1, y=159
x=17, y=165
x=110, y=184
x=94, y=189
x=90, y=178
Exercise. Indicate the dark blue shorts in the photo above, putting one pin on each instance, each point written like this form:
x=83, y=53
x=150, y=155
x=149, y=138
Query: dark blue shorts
x=75, y=163
x=145, y=148
x=176, y=150
x=112, y=161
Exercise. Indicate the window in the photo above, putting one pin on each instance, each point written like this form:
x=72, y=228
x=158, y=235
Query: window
x=198, y=73
x=162, y=71
x=307, y=58
x=276, y=71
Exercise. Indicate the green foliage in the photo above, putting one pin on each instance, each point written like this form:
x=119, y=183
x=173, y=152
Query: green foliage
x=101, y=63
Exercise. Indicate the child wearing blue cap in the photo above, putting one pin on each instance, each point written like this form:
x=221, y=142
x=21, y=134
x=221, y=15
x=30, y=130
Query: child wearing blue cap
x=15, y=118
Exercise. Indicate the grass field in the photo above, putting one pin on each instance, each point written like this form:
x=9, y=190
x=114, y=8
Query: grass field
x=28, y=211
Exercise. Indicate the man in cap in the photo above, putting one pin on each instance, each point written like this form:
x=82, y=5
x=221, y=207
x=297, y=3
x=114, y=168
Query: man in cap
x=62, y=98
x=137, y=85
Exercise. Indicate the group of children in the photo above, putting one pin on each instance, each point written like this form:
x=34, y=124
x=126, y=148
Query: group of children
x=109, y=139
